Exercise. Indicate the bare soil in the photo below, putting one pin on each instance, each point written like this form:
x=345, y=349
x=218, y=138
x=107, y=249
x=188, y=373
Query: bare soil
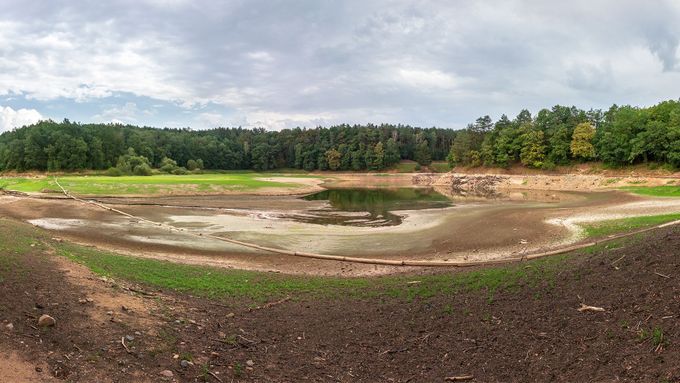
x=531, y=333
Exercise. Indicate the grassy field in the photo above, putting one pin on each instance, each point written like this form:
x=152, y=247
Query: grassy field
x=656, y=191
x=157, y=184
x=615, y=226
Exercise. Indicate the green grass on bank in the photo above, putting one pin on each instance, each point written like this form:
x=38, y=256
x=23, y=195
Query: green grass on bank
x=220, y=283
x=223, y=283
x=440, y=167
x=656, y=191
x=156, y=184
x=615, y=226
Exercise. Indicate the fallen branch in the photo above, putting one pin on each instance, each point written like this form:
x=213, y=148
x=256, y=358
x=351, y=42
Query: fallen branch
x=122, y=341
x=663, y=275
x=458, y=378
x=589, y=308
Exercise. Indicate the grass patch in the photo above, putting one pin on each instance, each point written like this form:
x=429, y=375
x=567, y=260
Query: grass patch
x=655, y=191
x=614, y=226
x=156, y=184
x=406, y=167
x=222, y=283
x=440, y=167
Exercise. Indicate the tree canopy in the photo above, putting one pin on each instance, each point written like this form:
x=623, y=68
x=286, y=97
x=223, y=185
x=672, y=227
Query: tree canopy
x=557, y=136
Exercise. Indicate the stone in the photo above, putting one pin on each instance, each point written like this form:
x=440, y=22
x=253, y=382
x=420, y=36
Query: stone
x=230, y=315
x=46, y=321
x=185, y=363
x=9, y=326
x=250, y=363
x=129, y=338
x=166, y=374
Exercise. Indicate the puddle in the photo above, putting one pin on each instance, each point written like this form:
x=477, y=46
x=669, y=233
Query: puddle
x=369, y=207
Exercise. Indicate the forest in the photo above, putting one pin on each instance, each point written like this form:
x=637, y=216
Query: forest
x=561, y=135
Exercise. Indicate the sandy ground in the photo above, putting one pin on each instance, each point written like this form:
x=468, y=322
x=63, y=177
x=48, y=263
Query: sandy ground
x=470, y=230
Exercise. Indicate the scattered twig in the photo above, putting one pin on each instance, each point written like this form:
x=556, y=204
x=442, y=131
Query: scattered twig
x=134, y=290
x=589, y=308
x=663, y=275
x=616, y=261
x=270, y=304
x=393, y=351
x=459, y=378
x=214, y=376
x=77, y=348
x=122, y=341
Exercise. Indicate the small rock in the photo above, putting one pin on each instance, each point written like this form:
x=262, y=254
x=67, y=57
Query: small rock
x=230, y=315
x=82, y=301
x=138, y=333
x=9, y=326
x=222, y=334
x=523, y=241
x=129, y=338
x=250, y=363
x=38, y=369
x=89, y=300
x=46, y=321
x=109, y=313
x=215, y=354
x=185, y=363
x=166, y=373
x=175, y=356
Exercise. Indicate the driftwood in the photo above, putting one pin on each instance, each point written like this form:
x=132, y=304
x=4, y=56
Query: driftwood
x=459, y=378
x=584, y=308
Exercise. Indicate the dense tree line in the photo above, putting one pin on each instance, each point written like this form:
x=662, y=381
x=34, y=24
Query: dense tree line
x=53, y=146
x=557, y=136
x=564, y=135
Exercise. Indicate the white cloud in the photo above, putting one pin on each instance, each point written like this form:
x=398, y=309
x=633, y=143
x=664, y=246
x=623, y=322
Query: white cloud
x=427, y=79
x=10, y=118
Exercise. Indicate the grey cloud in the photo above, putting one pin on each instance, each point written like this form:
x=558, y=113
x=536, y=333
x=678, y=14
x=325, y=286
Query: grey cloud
x=305, y=62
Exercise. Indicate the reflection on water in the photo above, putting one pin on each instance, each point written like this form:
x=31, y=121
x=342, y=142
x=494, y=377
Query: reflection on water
x=369, y=207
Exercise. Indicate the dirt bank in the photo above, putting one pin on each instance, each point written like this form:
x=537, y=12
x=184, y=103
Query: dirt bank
x=488, y=184
x=524, y=332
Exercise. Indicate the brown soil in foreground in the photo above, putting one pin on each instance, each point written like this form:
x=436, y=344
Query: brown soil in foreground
x=529, y=333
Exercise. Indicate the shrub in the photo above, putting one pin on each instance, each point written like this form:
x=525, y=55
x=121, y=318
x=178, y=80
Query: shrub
x=142, y=170
x=180, y=171
x=114, y=172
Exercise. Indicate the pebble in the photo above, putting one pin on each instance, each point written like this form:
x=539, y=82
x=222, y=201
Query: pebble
x=230, y=315
x=250, y=363
x=138, y=333
x=129, y=338
x=185, y=363
x=167, y=373
x=46, y=321
x=9, y=326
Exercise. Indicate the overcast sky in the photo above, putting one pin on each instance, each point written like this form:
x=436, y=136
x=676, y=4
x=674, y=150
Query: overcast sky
x=278, y=64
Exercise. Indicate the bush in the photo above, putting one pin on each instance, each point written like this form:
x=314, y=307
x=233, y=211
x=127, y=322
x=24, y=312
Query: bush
x=195, y=164
x=168, y=165
x=548, y=165
x=114, y=172
x=142, y=170
x=180, y=171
